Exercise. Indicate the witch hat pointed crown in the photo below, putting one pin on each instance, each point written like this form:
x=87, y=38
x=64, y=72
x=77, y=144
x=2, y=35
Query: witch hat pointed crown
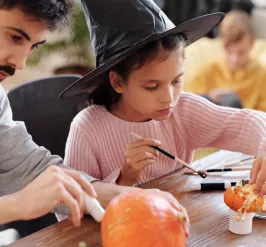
x=118, y=28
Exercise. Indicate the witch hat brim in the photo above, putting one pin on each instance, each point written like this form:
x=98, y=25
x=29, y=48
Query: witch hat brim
x=192, y=30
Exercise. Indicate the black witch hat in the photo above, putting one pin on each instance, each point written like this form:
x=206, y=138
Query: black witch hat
x=118, y=28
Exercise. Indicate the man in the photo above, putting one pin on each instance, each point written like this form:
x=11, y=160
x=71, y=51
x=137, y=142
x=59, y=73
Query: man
x=24, y=26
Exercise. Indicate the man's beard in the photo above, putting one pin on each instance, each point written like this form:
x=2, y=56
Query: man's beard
x=7, y=69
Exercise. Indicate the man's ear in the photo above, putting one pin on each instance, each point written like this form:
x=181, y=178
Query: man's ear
x=116, y=82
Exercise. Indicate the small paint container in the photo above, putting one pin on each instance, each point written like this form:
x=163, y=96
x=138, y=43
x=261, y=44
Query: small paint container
x=241, y=226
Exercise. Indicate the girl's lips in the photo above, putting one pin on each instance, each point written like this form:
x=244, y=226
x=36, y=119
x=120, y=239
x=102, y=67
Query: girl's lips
x=166, y=110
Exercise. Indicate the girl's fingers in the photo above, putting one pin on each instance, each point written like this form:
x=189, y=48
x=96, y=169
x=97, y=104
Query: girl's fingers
x=255, y=170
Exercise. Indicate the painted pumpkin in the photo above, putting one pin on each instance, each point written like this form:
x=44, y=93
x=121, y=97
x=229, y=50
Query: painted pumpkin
x=142, y=218
x=243, y=199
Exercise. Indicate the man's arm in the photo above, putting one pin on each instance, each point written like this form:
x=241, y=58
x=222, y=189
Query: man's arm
x=8, y=209
x=106, y=191
x=49, y=189
x=21, y=160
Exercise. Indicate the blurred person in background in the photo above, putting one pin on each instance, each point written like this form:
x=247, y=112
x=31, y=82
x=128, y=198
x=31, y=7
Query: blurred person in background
x=235, y=79
x=226, y=6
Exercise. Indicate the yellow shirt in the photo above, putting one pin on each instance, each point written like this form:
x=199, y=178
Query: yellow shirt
x=249, y=83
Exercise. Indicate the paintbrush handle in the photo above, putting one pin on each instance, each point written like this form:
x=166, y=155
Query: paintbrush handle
x=244, y=168
x=185, y=164
x=175, y=158
x=240, y=162
x=202, y=174
x=165, y=153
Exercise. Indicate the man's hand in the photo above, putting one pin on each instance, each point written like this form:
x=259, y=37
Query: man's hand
x=54, y=186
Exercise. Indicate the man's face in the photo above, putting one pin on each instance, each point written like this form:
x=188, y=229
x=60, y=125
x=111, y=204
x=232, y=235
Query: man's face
x=19, y=36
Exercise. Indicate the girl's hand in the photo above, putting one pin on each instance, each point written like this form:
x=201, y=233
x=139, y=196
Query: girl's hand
x=258, y=175
x=139, y=154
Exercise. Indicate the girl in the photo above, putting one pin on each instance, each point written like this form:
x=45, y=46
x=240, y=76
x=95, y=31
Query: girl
x=143, y=94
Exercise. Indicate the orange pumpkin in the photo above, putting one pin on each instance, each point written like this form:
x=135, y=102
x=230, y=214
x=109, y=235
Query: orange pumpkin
x=144, y=219
x=243, y=199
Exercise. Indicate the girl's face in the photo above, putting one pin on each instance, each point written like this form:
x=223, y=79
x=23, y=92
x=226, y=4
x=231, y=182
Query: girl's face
x=152, y=91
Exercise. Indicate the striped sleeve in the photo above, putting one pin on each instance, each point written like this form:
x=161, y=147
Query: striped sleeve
x=79, y=154
x=209, y=125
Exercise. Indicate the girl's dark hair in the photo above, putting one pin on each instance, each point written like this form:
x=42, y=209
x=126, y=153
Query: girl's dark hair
x=54, y=13
x=104, y=94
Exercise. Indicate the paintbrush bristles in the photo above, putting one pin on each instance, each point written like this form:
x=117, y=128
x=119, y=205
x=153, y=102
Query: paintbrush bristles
x=202, y=174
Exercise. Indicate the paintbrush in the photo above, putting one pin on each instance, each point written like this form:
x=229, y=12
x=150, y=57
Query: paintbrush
x=202, y=174
x=240, y=162
x=243, y=168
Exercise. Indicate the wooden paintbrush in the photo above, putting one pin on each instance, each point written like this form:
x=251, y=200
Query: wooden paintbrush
x=244, y=168
x=240, y=162
x=202, y=174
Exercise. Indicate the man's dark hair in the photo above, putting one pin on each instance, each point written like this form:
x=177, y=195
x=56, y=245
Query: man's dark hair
x=55, y=13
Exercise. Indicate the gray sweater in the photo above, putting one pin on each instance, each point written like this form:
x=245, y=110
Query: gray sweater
x=21, y=160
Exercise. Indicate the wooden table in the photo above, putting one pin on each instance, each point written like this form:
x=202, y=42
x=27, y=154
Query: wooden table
x=207, y=211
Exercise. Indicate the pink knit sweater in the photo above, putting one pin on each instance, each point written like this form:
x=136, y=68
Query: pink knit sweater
x=98, y=139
